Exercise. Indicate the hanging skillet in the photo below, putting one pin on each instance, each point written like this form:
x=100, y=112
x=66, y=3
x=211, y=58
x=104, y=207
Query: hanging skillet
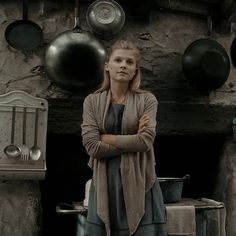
x=206, y=64
x=105, y=17
x=74, y=59
x=24, y=34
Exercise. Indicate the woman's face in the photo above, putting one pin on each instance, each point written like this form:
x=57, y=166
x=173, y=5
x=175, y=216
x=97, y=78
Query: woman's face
x=122, y=65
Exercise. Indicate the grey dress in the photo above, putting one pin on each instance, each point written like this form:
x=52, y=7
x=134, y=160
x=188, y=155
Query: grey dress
x=153, y=221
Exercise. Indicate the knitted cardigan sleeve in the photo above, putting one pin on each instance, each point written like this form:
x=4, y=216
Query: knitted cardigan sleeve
x=141, y=142
x=91, y=134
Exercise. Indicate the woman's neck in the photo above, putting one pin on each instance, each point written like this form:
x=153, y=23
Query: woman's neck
x=119, y=92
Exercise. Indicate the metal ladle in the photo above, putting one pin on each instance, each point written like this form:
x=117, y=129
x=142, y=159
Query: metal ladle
x=35, y=151
x=12, y=150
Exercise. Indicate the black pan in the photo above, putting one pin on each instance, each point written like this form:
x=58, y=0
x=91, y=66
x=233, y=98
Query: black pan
x=74, y=59
x=24, y=35
x=206, y=64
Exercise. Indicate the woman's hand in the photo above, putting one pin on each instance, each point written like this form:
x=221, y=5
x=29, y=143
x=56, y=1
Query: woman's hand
x=108, y=138
x=143, y=122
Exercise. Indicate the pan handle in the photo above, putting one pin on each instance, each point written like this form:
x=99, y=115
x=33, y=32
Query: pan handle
x=68, y=209
x=186, y=177
x=77, y=26
x=25, y=9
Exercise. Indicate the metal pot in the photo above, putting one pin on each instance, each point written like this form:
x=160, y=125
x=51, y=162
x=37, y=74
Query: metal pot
x=172, y=188
x=24, y=34
x=105, y=17
x=206, y=64
x=74, y=59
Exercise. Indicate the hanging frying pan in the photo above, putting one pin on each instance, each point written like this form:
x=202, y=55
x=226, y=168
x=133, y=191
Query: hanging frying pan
x=233, y=52
x=205, y=63
x=105, y=17
x=74, y=59
x=24, y=34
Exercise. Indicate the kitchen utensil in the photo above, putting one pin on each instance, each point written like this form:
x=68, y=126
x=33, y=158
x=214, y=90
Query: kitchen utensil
x=24, y=34
x=105, y=17
x=12, y=150
x=74, y=59
x=67, y=208
x=172, y=188
x=206, y=64
x=24, y=147
x=35, y=151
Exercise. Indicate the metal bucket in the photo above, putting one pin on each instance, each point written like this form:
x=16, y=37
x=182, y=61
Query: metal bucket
x=172, y=188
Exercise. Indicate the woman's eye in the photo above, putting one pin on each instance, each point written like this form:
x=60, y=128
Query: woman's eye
x=130, y=62
x=118, y=60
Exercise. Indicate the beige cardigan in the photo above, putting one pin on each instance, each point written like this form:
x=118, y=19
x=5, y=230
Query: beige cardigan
x=137, y=154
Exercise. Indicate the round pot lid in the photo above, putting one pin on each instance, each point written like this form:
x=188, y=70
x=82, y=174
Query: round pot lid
x=105, y=16
x=206, y=64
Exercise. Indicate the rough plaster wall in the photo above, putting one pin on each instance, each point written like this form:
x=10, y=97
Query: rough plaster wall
x=162, y=42
x=20, y=213
x=230, y=157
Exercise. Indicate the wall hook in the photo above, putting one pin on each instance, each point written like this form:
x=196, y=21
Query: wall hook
x=234, y=129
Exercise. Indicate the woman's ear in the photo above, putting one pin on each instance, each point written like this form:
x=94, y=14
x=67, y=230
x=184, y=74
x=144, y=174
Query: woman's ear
x=106, y=66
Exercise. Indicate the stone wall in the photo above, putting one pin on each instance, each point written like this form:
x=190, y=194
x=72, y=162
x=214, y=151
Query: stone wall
x=162, y=41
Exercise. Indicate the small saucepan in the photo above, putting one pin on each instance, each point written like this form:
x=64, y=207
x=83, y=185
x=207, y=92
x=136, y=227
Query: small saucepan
x=172, y=188
x=105, y=17
x=24, y=35
x=206, y=64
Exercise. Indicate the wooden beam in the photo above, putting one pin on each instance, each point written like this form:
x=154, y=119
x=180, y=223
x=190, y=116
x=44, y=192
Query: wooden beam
x=174, y=118
x=191, y=6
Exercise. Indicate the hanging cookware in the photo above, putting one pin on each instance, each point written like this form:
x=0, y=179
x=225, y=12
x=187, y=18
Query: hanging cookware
x=206, y=64
x=24, y=34
x=105, y=17
x=233, y=52
x=74, y=59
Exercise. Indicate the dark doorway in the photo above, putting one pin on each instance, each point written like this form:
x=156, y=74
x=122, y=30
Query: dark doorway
x=199, y=157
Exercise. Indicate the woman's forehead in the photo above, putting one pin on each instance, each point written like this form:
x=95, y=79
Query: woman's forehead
x=127, y=53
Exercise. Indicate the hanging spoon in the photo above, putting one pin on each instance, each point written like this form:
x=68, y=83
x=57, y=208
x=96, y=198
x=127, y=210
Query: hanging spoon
x=12, y=150
x=35, y=151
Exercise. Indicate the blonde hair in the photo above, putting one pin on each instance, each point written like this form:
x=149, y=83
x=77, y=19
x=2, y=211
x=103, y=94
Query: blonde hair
x=135, y=82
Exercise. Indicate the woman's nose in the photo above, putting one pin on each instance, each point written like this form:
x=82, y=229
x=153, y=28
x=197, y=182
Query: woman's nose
x=123, y=64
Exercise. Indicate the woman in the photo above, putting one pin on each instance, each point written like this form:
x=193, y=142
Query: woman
x=118, y=131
